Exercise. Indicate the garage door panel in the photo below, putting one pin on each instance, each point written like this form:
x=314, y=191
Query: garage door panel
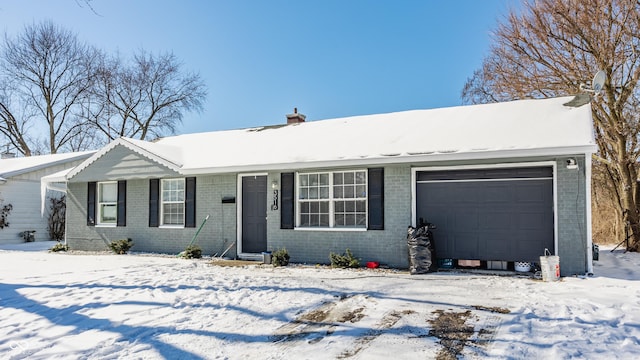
x=442, y=193
x=507, y=219
x=488, y=249
x=531, y=220
x=465, y=244
x=531, y=244
x=532, y=192
x=444, y=246
x=436, y=215
x=527, y=250
x=463, y=194
x=494, y=220
x=438, y=194
x=495, y=192
x=465, y=220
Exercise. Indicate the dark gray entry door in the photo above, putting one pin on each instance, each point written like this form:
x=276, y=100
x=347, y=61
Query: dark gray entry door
x=495, y=214
x=254, y=214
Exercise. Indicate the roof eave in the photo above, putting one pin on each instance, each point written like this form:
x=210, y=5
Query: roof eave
x=44, y=166
x=398, y=159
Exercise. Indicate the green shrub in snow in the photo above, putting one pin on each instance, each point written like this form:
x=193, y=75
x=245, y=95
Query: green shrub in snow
x=121, y=246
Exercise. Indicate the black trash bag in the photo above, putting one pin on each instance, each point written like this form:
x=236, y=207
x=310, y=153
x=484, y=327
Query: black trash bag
x=420, y=243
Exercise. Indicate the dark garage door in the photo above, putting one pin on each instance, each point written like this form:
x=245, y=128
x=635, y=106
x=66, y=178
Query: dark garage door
x=493, y=214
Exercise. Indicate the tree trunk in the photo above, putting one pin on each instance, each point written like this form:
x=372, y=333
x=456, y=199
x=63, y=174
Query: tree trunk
x=628, y=186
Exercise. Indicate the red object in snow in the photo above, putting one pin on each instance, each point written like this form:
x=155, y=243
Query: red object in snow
x=373, y=264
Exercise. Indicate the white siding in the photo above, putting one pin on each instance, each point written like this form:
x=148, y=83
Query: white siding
x=25, y=198
x=23, y=192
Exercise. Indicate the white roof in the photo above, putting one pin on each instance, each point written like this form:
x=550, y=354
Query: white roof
x=510, y=129
x=20, y=165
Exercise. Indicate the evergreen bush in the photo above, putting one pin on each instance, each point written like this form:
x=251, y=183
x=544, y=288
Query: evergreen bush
x=192, y=252
x=346, y=260
x=59, y=247
x=280, y=257
x=121, y=246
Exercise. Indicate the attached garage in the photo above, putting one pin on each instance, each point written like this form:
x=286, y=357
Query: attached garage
x=504, y=214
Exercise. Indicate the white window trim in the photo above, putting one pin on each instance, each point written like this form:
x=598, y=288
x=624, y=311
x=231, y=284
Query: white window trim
x=99, y=222
x=162, y=202
x=331, y=200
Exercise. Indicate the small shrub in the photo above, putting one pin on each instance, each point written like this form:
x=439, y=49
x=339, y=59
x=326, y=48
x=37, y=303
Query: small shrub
x=57, y=218
x=59, y=247
x=280, y=257
x=344, y=261
x=4, y=215
x=191, y=252
x=121, y=246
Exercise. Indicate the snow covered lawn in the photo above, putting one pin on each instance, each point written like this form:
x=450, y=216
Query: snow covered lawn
x=70, y=306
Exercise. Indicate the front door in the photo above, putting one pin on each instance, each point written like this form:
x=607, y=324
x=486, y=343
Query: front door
x=254, y=214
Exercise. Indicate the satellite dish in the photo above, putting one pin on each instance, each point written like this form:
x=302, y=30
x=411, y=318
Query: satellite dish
x=598, y=82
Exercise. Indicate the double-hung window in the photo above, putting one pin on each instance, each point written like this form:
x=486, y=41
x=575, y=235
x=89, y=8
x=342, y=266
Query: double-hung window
x=172, y=199
x=332, y=199
x=108, y=203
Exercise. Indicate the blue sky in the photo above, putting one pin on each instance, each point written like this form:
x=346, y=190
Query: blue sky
x=260, y=59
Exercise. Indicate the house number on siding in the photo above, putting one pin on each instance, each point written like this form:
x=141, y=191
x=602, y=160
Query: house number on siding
x=274, y=206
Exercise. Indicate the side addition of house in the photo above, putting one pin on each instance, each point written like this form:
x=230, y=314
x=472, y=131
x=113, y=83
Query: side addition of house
x=20, y=186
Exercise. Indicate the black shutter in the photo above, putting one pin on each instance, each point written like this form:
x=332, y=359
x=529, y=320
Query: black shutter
x=154, y=195
x=376, y=199
x=190, y=202
x=91, y=204
x=287, y=201
x=122, y=203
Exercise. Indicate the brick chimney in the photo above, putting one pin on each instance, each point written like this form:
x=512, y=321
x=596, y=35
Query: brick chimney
x=295, y=118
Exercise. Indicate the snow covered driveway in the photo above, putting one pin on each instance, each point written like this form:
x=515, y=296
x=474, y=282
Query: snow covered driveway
x=63, y=306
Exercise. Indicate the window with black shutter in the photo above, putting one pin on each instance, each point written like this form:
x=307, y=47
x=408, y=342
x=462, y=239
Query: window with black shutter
x=376, y=199
x=91, y=204
x=287, y=201
x=154, y=195
x=190, y=202
x=122, y=203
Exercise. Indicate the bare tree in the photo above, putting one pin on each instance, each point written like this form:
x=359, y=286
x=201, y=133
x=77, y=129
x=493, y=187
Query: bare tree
x=143, y=99
x=552, y=46
x=87, y=3
x=49, y=72
x=58, y=94
x=14, y=132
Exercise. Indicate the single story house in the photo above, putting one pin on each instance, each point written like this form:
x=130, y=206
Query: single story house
x=502, y=182
x=20, y=186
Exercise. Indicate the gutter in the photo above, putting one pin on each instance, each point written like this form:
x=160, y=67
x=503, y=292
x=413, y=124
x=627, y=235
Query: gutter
x=395, y=159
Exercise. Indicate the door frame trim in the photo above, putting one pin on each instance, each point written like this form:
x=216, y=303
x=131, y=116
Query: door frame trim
x=243, y=255
x=550, y=163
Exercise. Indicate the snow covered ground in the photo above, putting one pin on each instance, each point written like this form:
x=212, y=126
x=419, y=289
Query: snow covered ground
x=81, y=306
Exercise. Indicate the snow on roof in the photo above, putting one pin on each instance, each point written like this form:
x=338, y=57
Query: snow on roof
x=517, y=128
x=20, y=165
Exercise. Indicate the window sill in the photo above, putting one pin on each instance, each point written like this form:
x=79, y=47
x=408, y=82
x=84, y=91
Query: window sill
x=331, y=229
x=106, y=225
x=171, y=226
